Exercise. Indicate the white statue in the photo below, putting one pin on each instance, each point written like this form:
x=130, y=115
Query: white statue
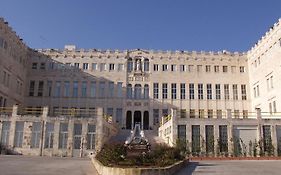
x=138, y=65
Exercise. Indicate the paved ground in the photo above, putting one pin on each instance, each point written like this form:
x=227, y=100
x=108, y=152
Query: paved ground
x=234, y=167
x=25, y=165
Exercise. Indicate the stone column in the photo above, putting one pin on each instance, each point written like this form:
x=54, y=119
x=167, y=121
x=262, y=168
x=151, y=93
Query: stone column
x=260, y=128
x=99, y=129
x=203, y=138
x=13, y=126
x=216, y=137
x=43, y=129
x=84, y=138
x=56, y=137
x=229, y=138
x=70, y=137
x=189, y=135
x=27, y=134
x=228, y=114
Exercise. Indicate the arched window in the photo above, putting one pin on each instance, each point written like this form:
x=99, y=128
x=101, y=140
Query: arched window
x=129, y=91
x=130, y=65
x=146, y=92
x=146, y=65
x=137, y=91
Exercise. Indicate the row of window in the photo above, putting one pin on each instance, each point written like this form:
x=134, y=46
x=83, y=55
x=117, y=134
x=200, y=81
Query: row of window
x=198, y=68
x=131, y=67
x=269, y=85
x=6, y=81
x=200, y=91
x=75, y=89
x=210, y=113
x=49, y=135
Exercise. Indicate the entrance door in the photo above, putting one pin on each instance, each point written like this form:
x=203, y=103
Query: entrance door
x=129, y=120
x=137, y=117
x=77, y=136
x=146, y=120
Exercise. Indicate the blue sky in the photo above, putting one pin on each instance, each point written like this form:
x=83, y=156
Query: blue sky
x=234, y=25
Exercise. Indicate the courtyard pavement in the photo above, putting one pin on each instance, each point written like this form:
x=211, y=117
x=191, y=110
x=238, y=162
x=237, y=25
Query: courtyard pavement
x=233, y=167
x=27, y=165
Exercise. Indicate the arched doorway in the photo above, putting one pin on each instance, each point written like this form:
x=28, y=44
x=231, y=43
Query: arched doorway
x=129, y=120
x=146, y=120
x=137, y=117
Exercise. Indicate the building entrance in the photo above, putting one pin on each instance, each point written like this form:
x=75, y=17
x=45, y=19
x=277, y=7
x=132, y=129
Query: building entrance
x=137, y=117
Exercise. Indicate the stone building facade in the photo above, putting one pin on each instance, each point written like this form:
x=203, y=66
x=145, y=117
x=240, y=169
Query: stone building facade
x=141, y=86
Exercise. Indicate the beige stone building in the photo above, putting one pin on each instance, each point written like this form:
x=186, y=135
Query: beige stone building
x=203, y=88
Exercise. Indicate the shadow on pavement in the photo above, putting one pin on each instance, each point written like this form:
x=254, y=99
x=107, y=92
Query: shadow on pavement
x=191, y=166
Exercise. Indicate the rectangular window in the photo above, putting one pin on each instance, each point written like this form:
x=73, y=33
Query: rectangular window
x=208, y=68
x=182, y=68
x=191, y=91
x=34, y=65
x=94, y=66
x=5, y=134
x=274, y=106
x=111, y=67
x=84, y=89
x=42, y=66
x=164, y=91
x=223, y=139
x=236, y=113
x=91, y=139
x=93, y=89
x=19, y=134
x=40, y=88
x=111, y=89
x=190, y=68
x=224, y=69
x=183, y=113
x=77, y=134
x=119, y=112
x=174, y=91
x=218, y=91
x=219, y=113
x=271, y=82
x=173, y=67
x=102, y=89
x=58, y=89
x=226, y=91
x=210, y=113
x=242, y=69
x=76, y=65
x=49, y=84
x=31, y=88
x=201, y=113
x=75, y=89
x=119, y=90
x=243, y=92
x=36, y=133
x=192, y=113
x=182, y=86
x=209, y=135
x=182, y=132
x=66, y=89
x=209, y=91
x=245, y=113
x=85, y=66
x=155, y=116
x=155, y=90
x=164, y=112
x=267, y=142
x=164, y=67
x=216, y=68
x=235, y=92
x=49, y=135
x=120, y=67
x=200, y=91
x=195, y=137
x=63, y=135
x=155, y=67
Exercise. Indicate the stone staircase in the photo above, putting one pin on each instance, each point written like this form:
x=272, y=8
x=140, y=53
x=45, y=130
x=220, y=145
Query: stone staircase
x=151, y=135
